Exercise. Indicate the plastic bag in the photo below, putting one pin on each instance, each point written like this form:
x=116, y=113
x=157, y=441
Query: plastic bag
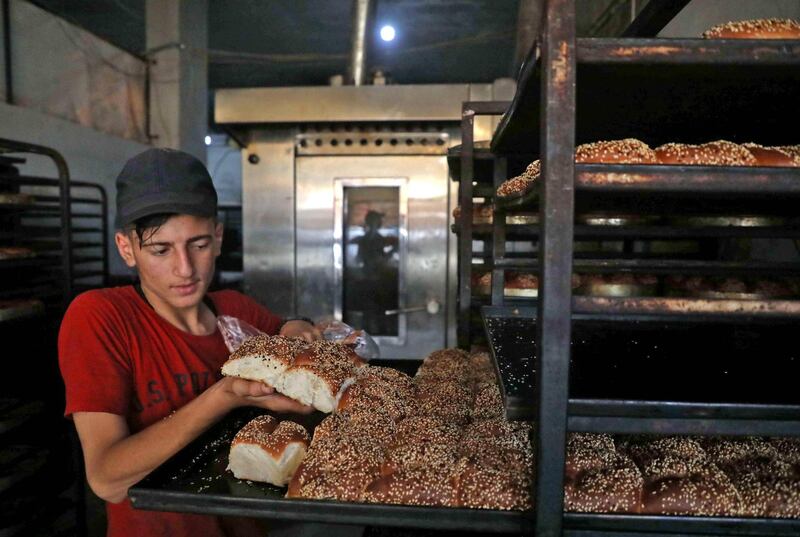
x=235, y=331
x=362, y=343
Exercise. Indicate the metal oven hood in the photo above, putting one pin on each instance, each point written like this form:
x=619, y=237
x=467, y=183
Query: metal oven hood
x=428, y=102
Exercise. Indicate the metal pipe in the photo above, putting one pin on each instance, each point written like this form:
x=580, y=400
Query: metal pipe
x=358, y=53
x=529, y=24
x=7, y=51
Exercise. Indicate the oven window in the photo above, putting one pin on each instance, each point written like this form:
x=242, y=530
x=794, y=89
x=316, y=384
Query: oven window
x=371, y=237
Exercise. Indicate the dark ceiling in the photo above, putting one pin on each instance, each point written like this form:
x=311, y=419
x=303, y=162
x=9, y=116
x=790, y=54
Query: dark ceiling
x=304, y=42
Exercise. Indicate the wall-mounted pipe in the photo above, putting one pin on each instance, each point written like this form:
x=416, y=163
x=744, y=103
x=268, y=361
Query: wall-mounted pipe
x=358, y=54
x=7, y=51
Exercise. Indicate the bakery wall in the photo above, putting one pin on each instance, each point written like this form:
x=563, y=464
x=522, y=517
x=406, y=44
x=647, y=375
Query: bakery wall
x=700, y=15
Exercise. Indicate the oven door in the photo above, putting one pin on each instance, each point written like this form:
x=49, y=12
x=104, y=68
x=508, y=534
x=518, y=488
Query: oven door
x=372, y=247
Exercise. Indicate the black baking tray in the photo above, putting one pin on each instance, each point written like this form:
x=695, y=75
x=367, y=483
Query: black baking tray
x=195, y=481
x=582, y=524
x=659, y=376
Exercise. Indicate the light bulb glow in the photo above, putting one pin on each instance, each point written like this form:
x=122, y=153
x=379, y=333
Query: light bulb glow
x=388, y=33
x=208, y=140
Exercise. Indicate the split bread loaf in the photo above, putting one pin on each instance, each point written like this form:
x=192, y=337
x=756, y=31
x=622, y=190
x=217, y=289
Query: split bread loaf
x=314, y=374
x=268, y=451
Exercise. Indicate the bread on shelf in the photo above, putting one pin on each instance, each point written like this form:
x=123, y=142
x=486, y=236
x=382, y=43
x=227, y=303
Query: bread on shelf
x=625, y=151
x=717, y=153
x=755, y=29
x=773, y=156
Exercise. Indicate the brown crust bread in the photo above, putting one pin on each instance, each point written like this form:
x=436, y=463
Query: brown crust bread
x=772, y=156
x=413, y=487
x=755, y=29
x=311, y=373
x=522, y=182
x=481, y=212
x=15, y=252
x=487, y=488
x=271, y=435
x=793, y=150
x=267, y=450
x=625, y=151
x=717, y=153
x=614, y=488
x=521, y=280
x=327, y=352
x=345, y=485
x=488, y=403
x=706, y=492
x=434, y=457
x=426, y=429
x=278, y=347
x=419, y=455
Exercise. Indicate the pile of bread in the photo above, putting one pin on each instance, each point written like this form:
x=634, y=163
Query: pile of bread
x=749, y=476
x=522, y=284
x=633, y=151
x=440, y=439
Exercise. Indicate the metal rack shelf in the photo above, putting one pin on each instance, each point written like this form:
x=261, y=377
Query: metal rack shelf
x=656, y=266
x=572, y=91
x=55, y=212
x=651, y=189
x=662, y=231
x=616, y=80
x=609, y=391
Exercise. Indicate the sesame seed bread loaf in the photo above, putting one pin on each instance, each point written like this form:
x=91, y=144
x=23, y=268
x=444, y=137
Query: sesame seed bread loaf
x=717, y=153
x=626, y=151
x=267, y=450
x=773, y=156
x=755, y=29
x=314, y=374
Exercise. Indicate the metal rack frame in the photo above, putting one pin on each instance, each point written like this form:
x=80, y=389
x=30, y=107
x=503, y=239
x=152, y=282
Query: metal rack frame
x=45, y=222
x=465, y=194
x=63, y=183
x=562, y=189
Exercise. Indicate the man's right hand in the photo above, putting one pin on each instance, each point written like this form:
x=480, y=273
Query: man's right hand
x=243, y=392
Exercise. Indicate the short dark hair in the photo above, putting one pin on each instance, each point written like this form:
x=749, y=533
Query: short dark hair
x=147, y=226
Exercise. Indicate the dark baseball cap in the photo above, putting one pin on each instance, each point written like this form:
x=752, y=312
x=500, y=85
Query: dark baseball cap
x=164, y=181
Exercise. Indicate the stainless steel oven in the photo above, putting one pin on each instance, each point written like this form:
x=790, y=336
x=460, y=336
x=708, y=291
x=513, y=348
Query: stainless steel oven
x=346, y=204
x=372, y=243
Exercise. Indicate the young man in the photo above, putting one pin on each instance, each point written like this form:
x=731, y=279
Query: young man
x=141, y=364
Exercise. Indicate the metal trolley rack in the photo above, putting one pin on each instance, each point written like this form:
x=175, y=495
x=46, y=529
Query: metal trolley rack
x=660, y=90
x=54, y=242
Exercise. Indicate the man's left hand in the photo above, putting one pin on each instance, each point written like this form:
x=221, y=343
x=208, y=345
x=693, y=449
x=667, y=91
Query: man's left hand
x=301, y=329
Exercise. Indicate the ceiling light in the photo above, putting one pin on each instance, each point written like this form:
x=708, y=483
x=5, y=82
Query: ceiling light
x=387, y=33
x=208, y=140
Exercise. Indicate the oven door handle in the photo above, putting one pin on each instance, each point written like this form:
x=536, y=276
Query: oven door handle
x=432, y=307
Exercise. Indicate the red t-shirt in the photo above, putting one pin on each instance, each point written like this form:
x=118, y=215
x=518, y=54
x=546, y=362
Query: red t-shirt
x=117, y=355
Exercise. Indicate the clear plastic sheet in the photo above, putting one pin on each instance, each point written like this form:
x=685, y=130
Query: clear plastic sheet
x=343, y=333
x=235, y=331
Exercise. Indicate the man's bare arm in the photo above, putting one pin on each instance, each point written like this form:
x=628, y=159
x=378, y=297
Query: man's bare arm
x=116, y=460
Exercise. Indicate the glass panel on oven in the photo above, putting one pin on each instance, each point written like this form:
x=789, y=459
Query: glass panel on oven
x=371, y=237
